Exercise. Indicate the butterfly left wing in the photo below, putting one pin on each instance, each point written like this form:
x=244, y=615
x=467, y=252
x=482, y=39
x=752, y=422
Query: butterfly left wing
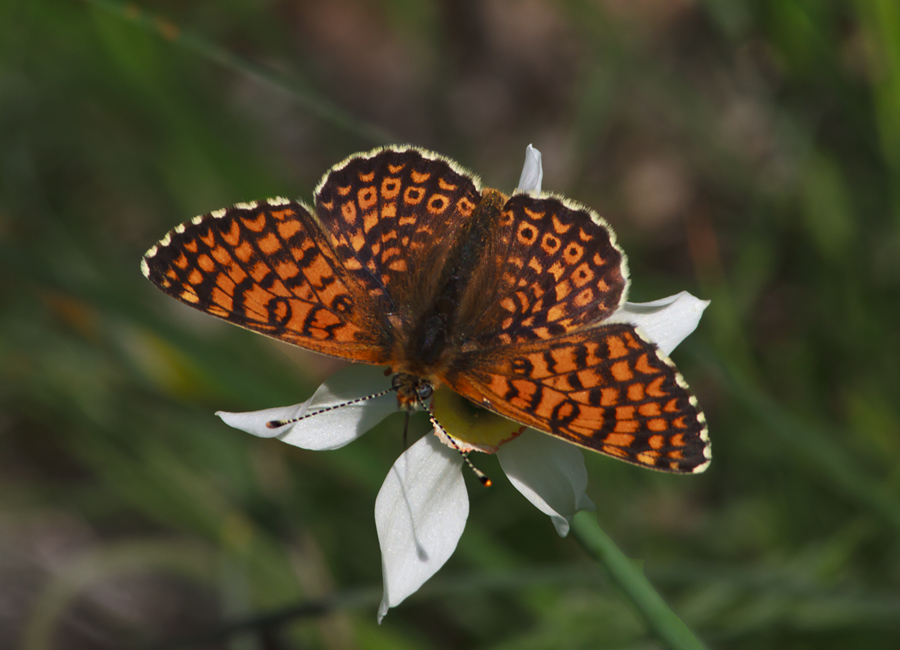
x=603, y=387
x=267, y=266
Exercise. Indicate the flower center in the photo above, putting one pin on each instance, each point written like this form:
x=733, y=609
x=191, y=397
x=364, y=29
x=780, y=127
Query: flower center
x=472, y=427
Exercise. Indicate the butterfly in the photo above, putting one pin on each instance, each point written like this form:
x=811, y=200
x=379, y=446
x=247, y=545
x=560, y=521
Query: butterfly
x=405, y=261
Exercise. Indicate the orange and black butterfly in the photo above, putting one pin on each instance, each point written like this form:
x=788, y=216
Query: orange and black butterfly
x=405, y=261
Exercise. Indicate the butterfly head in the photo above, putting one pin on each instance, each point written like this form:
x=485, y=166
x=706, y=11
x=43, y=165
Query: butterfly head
x=412, y=391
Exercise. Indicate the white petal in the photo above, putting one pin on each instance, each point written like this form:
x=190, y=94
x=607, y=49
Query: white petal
x=550, y=473
x=420, y=514
x=532, y=171
x=326, y=429
x=666, y=322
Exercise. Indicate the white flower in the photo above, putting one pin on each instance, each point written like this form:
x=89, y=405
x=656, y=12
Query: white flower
x=422, y=507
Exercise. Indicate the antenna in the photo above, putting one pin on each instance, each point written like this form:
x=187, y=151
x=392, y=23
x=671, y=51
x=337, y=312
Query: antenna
x=274, y=424
x=481, y=476
x=424, y=391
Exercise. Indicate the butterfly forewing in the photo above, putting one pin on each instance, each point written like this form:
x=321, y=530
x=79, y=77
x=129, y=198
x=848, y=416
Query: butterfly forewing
x=266, y=266
x=552, y=266
x=393, y=216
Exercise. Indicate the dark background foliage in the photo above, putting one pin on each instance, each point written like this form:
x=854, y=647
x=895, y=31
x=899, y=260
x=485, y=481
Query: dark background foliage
x=747, y=151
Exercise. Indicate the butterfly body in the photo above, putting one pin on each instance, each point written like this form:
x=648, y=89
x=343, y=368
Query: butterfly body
x=440, y=332
x=405, y=261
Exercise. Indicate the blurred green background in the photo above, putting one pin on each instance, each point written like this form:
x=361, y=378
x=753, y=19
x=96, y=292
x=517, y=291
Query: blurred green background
x=747, y=151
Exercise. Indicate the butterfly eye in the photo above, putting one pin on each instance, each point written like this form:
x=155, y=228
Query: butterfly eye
x=424, y=390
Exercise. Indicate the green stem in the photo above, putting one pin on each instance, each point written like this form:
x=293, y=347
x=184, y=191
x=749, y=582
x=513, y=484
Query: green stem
x=630, y=580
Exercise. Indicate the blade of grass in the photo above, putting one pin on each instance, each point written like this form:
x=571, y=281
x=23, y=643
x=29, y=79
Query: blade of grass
x=880, y=21
x=304, y=97
x=815, y=445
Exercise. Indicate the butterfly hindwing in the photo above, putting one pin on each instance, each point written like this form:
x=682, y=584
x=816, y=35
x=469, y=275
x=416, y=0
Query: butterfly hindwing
x=604, y=388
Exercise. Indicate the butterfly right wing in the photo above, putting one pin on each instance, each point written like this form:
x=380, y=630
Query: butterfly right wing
x=267, y=266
